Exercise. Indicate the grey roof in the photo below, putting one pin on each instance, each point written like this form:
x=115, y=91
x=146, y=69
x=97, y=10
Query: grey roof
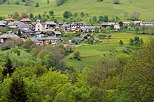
x=108, y=23
x=25, y=36
x=76, y=23
x=16, y=23
x=79, y=38
x=9, y=36
x=62, y=23
x=57, y=32
x=66, y=25
x=43, y=23
x=23, y=26
x=148, y=22
x=96, y=39
x=86, y=35
x=47, y=38
x=90, y=27
x=29, y=31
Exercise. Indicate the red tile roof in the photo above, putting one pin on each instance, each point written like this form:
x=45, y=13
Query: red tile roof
x=25, y=20
x=9, y=19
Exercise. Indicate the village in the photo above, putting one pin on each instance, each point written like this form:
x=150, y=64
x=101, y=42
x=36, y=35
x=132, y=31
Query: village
x=43, y=33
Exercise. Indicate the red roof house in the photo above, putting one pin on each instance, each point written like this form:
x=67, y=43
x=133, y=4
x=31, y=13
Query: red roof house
x=25, y=20
x=9, y=19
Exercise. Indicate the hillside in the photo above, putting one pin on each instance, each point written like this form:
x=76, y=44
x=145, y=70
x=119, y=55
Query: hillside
x=92, y=7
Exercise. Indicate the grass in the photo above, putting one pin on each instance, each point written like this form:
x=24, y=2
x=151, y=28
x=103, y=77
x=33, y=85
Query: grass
x=94, y=8
x=92, y=55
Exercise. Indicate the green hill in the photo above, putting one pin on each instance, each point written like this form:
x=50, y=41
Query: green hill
x=92, y=7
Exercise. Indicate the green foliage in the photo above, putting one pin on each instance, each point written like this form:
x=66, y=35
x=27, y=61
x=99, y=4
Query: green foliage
x=37, y=4
x=60, y=2
x=77, y=55
x=17, y=91
x=51, y=13
x=136, y=41
x=121, y=42
x=138, y=76
x=67, y=14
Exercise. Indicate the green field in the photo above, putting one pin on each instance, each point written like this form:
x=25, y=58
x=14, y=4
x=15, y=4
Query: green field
x=92, y=7
x=92, y=55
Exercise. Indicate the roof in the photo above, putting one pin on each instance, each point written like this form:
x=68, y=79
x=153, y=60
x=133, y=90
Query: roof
x=90, y=27
x=79, y=38
x=86, y=35
x=23, y=25
x=25, y=20
x=47, y=38
x=108, y=23
x=29, y=31
x=76, y=23
x=57, y=32
x=25, y=36
x=9, y=36
x=66, y=25
x=62, y=23
x=9, y=19
x=96, y=39
x=53, y=23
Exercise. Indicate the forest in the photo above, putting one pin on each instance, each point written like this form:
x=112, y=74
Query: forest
x=33, y=73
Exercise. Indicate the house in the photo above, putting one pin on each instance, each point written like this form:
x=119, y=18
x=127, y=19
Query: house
x=25, y=20
x=117, y=27
x=86, y=36
x=147, y=23
x=78, y=25
x=90, y=29
x=28, y=32
x=126, y=23
x=23, y=26
x=9, y=19
x=137, y=22
x=9, y=35
x=107, y=24
x=45, y=26
x=46, y=40
x=56, y=33
x=2, y=24
x=66, y=27
x=60, y=24
x=39, y=34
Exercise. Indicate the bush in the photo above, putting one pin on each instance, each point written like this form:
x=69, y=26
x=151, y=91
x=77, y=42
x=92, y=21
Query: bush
x=116, y=2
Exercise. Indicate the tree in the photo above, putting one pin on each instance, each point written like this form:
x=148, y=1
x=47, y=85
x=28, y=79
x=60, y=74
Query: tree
x=121, y=42
x=116, y=2
x=31, y=15
x=67, y=14
x=48, y=2
x=17, y=91
x=51, y=13
x=59, y=2
x=16, y=15
x=94, y=19
x=138, y=76
x=137, y=29
x=77, y=55
x=37, y=4
x=131, y=41
x=100, y=0
x=24, y=15
x=17, y=3
x=8, y=68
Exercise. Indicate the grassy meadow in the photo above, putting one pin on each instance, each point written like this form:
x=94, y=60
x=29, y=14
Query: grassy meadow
x=93, y=55
x=92, y=7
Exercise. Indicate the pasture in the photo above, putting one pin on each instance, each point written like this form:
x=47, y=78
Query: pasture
x=93, y=55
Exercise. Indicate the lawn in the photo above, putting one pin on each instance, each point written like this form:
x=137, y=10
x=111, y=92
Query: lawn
x=92, y=7
x=92, y=55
